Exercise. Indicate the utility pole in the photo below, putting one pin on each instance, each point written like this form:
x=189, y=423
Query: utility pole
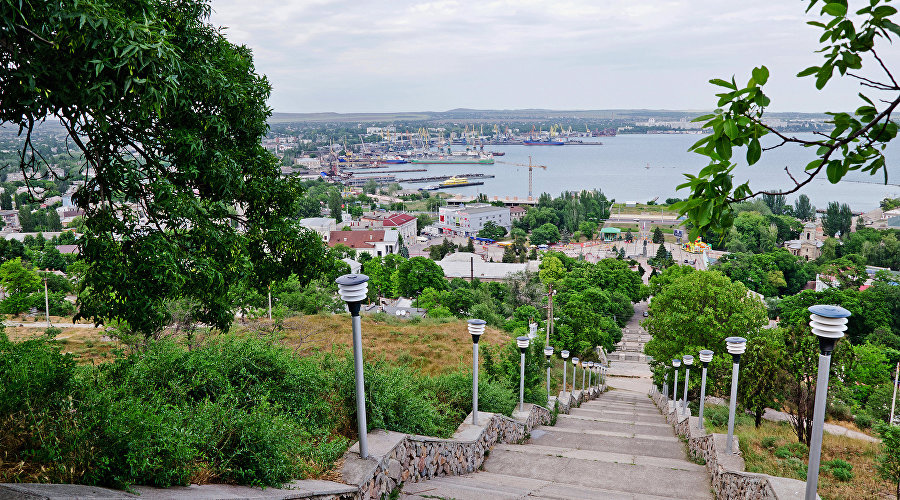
x=549, y=312
x=894, y=398
x=46, y=302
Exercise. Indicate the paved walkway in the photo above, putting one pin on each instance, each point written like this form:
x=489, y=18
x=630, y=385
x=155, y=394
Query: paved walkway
x=617, y=446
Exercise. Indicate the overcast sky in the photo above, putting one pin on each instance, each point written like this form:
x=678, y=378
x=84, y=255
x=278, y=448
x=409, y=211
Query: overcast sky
x=400, y=55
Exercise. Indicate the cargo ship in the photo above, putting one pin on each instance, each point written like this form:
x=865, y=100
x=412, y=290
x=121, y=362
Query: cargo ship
x=455, y=159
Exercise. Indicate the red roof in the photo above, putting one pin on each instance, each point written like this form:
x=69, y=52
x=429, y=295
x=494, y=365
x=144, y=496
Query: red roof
x=355, y=239
x=517, y=209
x=397, y=220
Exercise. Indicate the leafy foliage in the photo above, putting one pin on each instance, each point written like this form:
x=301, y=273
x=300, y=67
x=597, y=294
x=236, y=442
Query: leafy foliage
x=856, y=142
x=698, y=310
x=182, y=201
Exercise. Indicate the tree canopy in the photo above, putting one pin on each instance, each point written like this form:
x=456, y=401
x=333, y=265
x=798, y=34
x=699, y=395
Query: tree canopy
x=181, y=200
x=848, y=40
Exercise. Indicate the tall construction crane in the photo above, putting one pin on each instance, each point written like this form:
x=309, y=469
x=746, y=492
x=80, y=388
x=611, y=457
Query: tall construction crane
x=530, y=166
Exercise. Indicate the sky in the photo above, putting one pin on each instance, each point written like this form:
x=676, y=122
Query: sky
x=400, y=55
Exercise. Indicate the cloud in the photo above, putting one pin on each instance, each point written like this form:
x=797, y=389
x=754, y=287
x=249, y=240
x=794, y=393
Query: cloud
x=402, y=55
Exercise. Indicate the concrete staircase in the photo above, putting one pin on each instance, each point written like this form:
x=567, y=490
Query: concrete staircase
x=631, y=347
x=615, y=447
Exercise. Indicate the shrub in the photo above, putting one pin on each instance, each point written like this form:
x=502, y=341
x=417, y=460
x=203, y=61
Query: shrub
x=864, y=420
x=717, y=416
x=768, y=442
x=840, y=469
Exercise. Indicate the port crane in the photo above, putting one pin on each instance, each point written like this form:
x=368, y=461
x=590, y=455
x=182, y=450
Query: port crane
x=530, y=166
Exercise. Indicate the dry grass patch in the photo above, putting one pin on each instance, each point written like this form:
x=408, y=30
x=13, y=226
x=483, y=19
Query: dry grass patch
x=773, y=449
x=431, y=345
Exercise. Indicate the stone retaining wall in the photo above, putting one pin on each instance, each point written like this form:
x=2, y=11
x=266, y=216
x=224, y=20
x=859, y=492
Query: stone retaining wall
x=729, y=480
x=418, y=458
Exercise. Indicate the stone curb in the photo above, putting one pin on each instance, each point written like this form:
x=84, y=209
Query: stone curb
x=729, y=478
x=396, y=458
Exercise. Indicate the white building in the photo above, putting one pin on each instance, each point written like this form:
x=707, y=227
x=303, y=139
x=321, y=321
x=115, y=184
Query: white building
x=404, y=223
x=374, y=243
x=467, y=265
x=467, y=220
x=322, y=225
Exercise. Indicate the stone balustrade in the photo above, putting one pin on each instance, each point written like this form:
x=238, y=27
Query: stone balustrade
x=729, y=479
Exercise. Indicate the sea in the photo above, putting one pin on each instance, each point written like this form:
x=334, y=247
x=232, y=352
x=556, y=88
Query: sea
x=643, y=167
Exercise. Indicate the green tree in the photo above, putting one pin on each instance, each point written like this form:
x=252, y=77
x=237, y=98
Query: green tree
x=588, y=228
x=658, y=235
x=423, y=220
x=803, y=210
x=417, y=274
x=698, y=310
x=18, y=282
x=761, y=365
x=546, y=234
x=168, y=115
x=888, y=460
x=335, y=206
x=26, y=219
x=492, y=231
x=6, y=202
x=848, y=40
x=775, y=202
x=370, y=186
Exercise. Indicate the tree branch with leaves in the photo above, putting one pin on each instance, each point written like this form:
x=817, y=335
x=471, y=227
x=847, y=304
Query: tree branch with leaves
x=856, y=143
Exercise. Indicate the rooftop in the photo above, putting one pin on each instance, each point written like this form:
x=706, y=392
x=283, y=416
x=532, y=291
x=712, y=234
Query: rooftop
x=361, y=239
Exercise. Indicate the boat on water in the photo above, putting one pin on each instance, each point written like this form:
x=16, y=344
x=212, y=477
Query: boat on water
x=453, y=181
x=498, y=153
x=391, y=160
x=455, y=159
x=542, y=142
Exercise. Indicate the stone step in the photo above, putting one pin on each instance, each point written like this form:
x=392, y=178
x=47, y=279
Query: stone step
x=578, y=422
x=484, y=485
x=627, y=443
x=625, y=477
x=603, y=456
x=618, y=415
x=620, y=403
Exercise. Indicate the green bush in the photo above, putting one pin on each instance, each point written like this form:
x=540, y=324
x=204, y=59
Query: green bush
x=840, y=469
x=235, y=410
x=768, y=442
x=792, y=450
x=864, y=420
x=717, y=416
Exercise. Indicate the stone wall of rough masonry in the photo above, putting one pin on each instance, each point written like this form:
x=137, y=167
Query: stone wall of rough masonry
x=417, y=458
x=729, y=480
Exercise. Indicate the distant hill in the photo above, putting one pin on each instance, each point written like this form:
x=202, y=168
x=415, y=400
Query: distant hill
x=494, y=115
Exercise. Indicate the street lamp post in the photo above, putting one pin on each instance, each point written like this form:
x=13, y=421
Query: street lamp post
x=574, y=373
x=828, y=323
x=548, y=351
x=522, y=342
x=590, y=372
x=476, y=328
x=688, y=361
x=736, y=346
x=705, y=357
x=564, y=355
x=666, y=382
x=353, y=289
x=584, y=366
x=675, y=364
